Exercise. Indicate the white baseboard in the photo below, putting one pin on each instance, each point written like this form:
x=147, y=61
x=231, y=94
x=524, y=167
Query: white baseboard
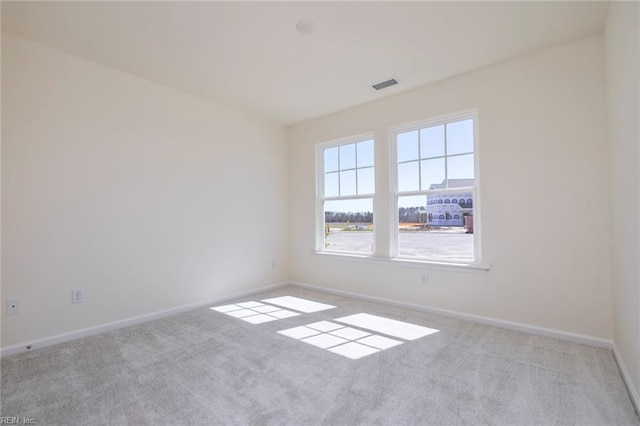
x=526, y=328
x=633, y=392
x=76, y=334
x=64, y=337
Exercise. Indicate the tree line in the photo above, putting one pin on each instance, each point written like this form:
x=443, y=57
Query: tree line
x=409, y=215
x=405, y=215
x=358, y=217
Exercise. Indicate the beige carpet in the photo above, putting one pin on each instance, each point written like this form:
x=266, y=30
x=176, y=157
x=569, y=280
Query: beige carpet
x=209, y=367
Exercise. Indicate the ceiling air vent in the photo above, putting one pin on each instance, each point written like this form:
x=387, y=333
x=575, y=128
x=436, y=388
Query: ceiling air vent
x=385, y=84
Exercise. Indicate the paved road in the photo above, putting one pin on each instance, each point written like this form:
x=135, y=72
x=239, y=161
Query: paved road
x=440, y=245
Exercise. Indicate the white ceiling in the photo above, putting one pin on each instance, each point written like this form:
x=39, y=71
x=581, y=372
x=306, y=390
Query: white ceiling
x=250, y=55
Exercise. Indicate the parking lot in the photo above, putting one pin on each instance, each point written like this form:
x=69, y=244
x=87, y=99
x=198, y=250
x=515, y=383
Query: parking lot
x=431, y=244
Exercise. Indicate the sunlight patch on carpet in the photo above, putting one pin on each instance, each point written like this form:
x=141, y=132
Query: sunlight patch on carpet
x=356, y=343
x=298, y=304
x=254, y=312
x=339, y=339
x=390, y=327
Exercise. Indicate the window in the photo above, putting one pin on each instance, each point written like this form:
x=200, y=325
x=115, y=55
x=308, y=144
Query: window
x=434, y=168
x=346, y=186
x=430, y=200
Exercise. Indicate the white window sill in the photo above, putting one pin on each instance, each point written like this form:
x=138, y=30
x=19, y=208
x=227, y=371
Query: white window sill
x=474, y=268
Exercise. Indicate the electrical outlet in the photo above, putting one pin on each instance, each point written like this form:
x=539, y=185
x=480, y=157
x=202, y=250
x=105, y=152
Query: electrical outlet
x=77, y=296
x=13, y=307
x=424, y=278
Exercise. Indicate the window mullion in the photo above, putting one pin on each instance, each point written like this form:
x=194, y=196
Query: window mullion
x=356, y=167
x=349, y=197
x=419, y=162
x=446, y=163
x=339, y=173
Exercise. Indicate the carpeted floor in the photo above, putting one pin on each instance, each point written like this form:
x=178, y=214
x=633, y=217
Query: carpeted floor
x=208, y=367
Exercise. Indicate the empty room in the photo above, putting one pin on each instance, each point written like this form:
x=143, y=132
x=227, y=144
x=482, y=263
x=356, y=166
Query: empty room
x=336, y=213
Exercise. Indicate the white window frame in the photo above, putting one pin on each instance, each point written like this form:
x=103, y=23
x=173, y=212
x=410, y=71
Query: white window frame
x=393, y=175
x=320, y=198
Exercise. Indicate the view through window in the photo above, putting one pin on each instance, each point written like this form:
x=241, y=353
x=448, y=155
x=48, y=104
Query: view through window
x=435, y=191
x=348, y=186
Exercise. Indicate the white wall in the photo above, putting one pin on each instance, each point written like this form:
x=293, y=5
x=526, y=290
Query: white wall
x=543, y=147
x=145, y=197
x=623, y=89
